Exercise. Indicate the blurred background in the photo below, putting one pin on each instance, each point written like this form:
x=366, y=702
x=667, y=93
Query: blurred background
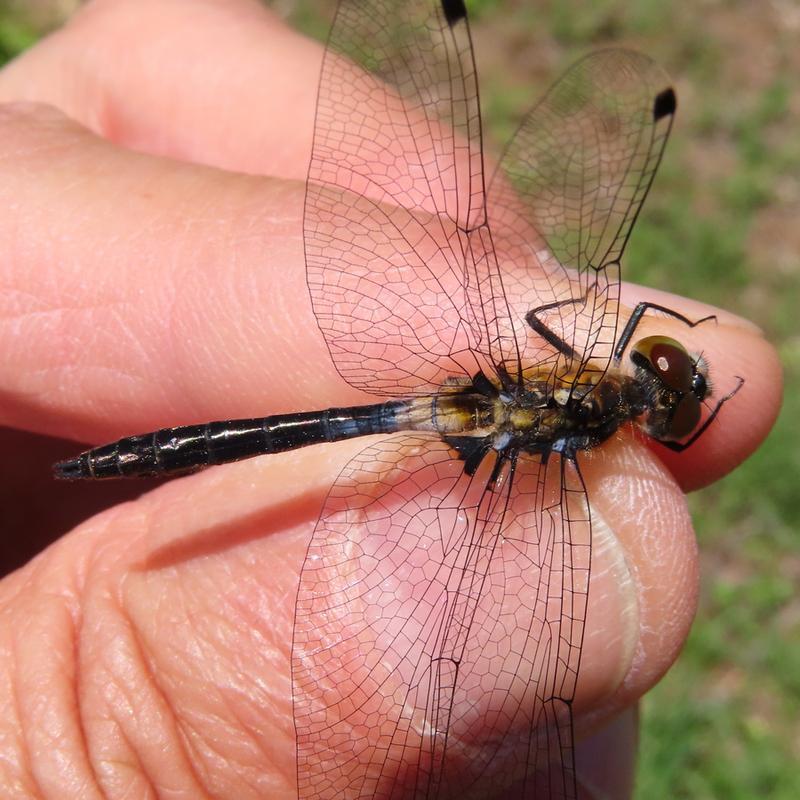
x=722, y=225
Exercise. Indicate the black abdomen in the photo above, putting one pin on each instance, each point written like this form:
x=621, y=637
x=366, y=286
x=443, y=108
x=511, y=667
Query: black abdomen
x=188, y=448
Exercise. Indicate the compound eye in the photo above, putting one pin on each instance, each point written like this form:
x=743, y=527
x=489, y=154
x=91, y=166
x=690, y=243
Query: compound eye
x=668, y=360
x=686, y=417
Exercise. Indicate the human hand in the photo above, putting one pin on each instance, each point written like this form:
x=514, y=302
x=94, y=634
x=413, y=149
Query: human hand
x=148, y=650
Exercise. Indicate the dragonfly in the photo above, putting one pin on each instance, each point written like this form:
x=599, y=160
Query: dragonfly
x=441, y=606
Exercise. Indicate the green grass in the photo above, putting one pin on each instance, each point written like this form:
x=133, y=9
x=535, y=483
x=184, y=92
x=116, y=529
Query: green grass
x=15, y=34
x=717, y=226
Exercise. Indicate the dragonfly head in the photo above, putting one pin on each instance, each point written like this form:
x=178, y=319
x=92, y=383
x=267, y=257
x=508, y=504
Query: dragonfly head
x=675, y=385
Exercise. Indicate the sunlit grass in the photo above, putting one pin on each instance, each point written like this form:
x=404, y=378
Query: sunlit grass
x=15, y=35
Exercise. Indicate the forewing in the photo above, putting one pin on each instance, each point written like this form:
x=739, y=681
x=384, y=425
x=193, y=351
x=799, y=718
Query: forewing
x=400, y=264
x=438, y=629
x=567, y=193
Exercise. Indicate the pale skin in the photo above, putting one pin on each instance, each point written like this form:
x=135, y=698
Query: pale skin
x=146, y=653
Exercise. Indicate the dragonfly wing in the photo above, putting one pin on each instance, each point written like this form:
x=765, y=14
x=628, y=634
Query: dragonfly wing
x=567, y=193
x=438, y=629
x=400, y=262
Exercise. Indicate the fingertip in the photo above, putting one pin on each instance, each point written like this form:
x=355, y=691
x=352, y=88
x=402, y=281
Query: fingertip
x=746, y=376
x=735, y=351
x=643, y=590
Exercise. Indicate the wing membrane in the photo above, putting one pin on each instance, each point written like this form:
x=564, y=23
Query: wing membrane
x=438, y=629
x=396, y=185
x=439, y=622
x=568, y=190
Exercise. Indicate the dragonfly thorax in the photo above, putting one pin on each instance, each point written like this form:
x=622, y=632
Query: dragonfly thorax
x=534, y=418
x=543, y=416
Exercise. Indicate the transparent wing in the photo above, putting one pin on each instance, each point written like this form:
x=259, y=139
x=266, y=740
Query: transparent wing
x=438, y=629
x=566, y=195
x=400, y=262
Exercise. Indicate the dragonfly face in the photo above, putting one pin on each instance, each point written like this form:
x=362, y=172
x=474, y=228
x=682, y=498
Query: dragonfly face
x=675, y=386
x=441, y=607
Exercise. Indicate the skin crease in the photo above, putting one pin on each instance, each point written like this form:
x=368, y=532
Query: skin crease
x=145, y=654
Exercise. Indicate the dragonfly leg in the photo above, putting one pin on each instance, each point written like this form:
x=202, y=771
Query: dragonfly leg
x=635, y=318
x=551, y=337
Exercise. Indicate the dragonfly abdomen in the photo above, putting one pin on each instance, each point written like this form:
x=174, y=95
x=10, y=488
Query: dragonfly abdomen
x=188, y=448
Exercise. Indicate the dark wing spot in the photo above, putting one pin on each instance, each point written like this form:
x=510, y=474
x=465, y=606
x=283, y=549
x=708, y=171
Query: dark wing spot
x=454, y=10
x=665, y=104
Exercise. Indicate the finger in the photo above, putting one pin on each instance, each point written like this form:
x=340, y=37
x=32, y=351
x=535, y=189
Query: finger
x=129, y=277
x=222, y=82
